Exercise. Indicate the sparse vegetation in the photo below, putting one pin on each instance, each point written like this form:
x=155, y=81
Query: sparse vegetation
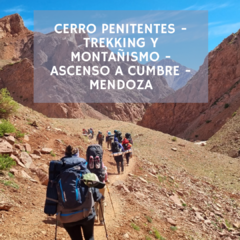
x=208, y=121
x=161, y=179
x=10, y=175
x=234, y=114
x=52, y=154
x=173, y=228
x=228, y=224
x=158, y=235
x=6, y=162
x=148, y=238
x=19, y=134
x=134, y=226
x=9, y=184
x=174, y=139
x=148, y=219
x=7, y=105
x=6, y=127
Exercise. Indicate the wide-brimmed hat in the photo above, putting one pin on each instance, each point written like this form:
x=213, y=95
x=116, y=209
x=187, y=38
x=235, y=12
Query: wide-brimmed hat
x=92, y=180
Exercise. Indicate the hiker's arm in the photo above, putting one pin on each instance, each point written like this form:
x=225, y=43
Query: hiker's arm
x=121, y=146
x=97, y=196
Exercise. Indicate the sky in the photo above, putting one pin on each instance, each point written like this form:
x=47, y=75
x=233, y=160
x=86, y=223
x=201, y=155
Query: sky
x=223, y=15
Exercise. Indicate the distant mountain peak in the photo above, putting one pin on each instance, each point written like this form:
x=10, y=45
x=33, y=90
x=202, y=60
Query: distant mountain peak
x=175, y=82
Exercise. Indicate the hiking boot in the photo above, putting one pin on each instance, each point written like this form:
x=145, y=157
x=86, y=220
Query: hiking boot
x=102, y=223
x=96, y=219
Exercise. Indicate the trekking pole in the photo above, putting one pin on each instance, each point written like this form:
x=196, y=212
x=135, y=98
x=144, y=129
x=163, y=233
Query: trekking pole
x=110, y=199
x=103, y=219
x=56, y=229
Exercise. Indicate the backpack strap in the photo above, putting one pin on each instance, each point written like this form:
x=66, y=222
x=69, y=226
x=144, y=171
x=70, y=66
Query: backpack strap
x=51, y=199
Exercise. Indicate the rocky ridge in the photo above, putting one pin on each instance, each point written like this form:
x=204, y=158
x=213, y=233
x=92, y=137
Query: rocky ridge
x=199, y=121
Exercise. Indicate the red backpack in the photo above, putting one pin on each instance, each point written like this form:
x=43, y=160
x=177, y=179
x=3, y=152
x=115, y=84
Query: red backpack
x=126, y=144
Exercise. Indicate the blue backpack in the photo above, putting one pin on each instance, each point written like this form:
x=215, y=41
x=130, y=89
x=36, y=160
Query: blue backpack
x=74, y=198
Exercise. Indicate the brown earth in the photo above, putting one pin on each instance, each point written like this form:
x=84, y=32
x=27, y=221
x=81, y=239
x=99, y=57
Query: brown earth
x=170, y=182
x=201, y=120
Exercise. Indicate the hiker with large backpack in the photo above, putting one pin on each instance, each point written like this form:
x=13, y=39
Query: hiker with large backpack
x=94, y=157
x=118, y=135
x=129, y=138
x=109, y=139
x=100, y=138
x=71, y=193
x=127, y=148
x=117, y=152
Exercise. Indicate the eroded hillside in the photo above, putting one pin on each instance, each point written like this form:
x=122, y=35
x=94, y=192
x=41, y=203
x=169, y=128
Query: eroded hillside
x=199, y=121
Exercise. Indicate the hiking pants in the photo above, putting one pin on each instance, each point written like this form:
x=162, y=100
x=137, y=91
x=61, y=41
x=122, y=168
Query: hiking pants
x=109, y=143
x=75, y=231
x=99, y=213
x=100, y=142
x=119, y=160
x=127, y=157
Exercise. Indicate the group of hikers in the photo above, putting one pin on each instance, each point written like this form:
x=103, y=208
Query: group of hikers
x=76, y=188
x=89, y=132
x=119, y=147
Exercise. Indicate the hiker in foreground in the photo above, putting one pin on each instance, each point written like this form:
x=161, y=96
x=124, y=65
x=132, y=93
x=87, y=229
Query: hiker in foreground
x=100, y=138
x=94, y=157
x=117, y=151
x=71, y=193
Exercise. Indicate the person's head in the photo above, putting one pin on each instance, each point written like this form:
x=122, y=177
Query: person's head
x=115, y=131
x=70, y=151
x=109, y=133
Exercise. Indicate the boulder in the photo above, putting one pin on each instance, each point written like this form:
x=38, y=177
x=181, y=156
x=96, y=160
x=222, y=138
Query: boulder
x=18, y=146
x=5, y=205
x=37, y=152
x=27, y=147
x=23, y=174
x=43, y=176
x=26, y=138
x=46, y=150
x=10, y=139
x=5, y=147
x=171, y=221
x=25, y=159
x=35, y=156
x=176, y=200
x=16, y=159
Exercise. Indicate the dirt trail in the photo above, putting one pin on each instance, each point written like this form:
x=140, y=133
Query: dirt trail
x=110, y=218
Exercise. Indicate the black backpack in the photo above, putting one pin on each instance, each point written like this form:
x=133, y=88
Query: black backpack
x=115, y=147
x=94, y=159
x=119, y=136
x=128, y=137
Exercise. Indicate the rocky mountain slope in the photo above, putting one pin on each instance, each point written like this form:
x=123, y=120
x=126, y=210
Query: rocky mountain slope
x=201, y=120
x=175, y=82
x=226, y=140
x=16, y=45
x=173, y=189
